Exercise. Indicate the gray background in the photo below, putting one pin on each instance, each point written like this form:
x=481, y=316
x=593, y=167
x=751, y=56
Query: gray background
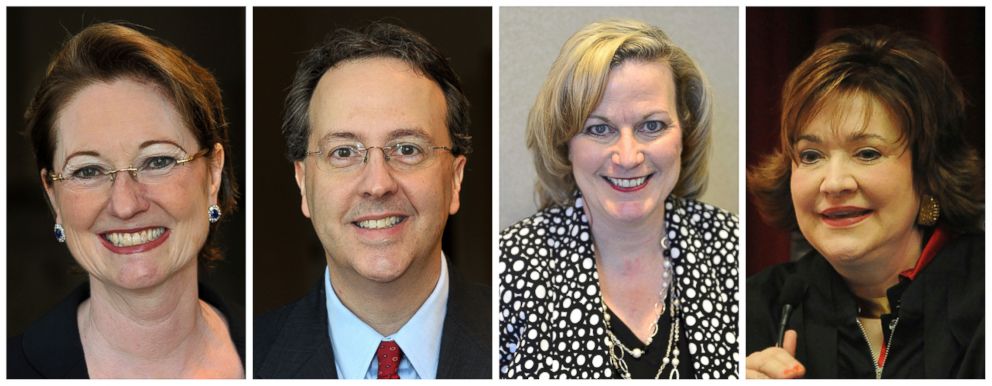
x=530, y=39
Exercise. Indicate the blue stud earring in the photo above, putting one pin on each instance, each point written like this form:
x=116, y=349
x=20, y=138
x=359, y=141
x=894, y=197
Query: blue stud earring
x=214, y=213
x=59, y=233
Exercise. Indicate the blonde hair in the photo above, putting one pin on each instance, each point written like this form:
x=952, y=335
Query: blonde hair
x=575, y=86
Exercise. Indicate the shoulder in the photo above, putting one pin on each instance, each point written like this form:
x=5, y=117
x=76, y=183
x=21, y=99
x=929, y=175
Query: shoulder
x=538, y=238
x=232, y=312
x=50, y=347
x=469, y=305
x=706, y=236
x=18, y=366
x=546, y=223
x=702, y=216
x=277, y=325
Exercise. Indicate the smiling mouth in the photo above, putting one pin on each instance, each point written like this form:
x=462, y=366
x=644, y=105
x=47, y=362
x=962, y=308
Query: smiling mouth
x=628, y=184
x=845, y=214
x=382, y=223
x=129, y=239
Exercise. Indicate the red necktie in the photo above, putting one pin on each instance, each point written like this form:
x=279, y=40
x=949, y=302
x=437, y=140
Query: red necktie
x=389, y=355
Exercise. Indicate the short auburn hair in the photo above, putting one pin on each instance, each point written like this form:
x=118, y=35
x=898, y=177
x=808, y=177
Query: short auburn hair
x=106, y=52
x=575, y=86
x=905, y=76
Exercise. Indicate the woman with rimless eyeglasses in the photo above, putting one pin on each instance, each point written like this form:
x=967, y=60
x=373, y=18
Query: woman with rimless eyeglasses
x=129, y=135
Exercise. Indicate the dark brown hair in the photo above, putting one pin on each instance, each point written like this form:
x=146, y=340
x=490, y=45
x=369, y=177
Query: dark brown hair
x=373, y=41
x=908, y=78
x=106, y=52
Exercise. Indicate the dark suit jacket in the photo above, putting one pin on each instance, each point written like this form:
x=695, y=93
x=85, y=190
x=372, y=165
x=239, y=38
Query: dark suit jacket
x=293, y=341
x=51, y=348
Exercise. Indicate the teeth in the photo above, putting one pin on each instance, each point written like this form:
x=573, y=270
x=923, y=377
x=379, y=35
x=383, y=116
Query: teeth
x=380, y=223
x=627, y=182
x=136, y=238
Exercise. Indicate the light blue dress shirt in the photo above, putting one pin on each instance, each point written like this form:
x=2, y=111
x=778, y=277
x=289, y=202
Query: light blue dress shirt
x=354, y=342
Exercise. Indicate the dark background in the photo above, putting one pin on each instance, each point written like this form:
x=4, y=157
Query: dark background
x=288, y=257
x=778, y=39
x=40, y=271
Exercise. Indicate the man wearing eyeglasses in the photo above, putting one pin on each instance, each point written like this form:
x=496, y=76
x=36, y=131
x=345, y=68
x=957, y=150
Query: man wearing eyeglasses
x=377, y=128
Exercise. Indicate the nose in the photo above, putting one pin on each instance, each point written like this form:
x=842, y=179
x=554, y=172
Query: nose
x=627, y=152
x=839, y=178
x=127, y=196
x=377, y=178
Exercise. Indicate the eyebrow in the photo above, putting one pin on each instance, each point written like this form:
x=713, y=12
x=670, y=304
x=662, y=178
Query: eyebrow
x=398, y=133
x=93, y=153
x=857, y=137
x=665, y=113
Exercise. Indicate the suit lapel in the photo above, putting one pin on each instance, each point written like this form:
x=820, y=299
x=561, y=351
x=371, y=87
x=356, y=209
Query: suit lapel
x=303, y=347
x=465, y=338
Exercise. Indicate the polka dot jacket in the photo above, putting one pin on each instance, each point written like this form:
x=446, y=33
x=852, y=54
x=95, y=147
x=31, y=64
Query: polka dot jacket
x=550, y=315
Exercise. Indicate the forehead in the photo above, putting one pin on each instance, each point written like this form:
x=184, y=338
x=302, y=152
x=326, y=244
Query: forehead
x=853, y=114
x=118, y=116
x=639, y=83
x=373, y=98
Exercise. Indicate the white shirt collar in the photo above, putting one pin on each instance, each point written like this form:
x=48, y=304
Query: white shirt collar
x=354, y=343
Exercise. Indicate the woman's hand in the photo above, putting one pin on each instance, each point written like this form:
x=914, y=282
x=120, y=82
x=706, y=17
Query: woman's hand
x=776, y=362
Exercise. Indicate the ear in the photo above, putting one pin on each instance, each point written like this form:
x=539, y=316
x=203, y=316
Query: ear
x=458, y=171
x=50, y=192
x=301, y=182
x=216, y=171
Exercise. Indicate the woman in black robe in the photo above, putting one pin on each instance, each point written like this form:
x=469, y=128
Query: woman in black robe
x=875, y=172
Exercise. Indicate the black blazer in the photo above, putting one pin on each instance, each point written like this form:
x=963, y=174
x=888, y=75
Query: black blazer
x=941, y=327
x=51, y=348
x=293, y=342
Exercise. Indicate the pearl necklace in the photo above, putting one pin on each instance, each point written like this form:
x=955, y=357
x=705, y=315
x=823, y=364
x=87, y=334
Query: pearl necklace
x=612, y=343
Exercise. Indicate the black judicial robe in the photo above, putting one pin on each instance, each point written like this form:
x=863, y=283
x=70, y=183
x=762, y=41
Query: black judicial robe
x=941, y=327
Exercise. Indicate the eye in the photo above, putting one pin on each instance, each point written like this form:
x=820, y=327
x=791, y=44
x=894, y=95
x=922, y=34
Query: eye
x=87, y=172
x=868, y=154
x=407, y=149
x=343, y=152
x=600, y=130
x=654, y=127
x=809, y=156
x=159, y=162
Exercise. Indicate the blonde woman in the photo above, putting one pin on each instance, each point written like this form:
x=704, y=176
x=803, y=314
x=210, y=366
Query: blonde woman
x=621, y=274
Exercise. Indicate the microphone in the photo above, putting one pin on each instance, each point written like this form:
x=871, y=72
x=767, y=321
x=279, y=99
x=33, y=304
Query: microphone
x=790, y=297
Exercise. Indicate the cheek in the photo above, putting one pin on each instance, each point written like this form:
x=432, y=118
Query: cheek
x=803, y=191
x=185, y=200
x=666, y=154
x=585, y=155
x=76, y=212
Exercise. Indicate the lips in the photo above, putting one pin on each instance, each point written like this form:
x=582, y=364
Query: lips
x=128, y=241
x=628, y=184
x=844, y=216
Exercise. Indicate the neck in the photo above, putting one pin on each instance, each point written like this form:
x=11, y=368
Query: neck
x=387, y=306
x=874, y=278
x=620, y=243
x=151, y=325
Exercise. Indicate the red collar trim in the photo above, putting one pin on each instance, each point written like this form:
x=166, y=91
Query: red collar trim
x=938, y=239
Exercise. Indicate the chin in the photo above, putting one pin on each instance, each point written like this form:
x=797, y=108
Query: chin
x=842, y=254
x=382, y=270
x=630, y=211
x=136, y=276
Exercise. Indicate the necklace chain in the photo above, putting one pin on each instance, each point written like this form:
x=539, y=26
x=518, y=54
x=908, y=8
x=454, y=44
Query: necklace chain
x=613, y=343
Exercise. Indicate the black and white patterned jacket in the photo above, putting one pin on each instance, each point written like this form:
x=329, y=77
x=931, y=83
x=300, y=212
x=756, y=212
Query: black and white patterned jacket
x=550, y=313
